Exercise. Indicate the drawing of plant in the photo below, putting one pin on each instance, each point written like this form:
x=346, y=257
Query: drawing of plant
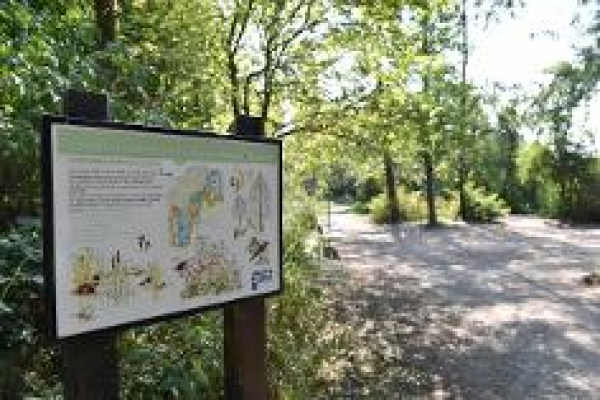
x=208, y=272
x=154, y=278
x=260, y=202
x=119, y=286
x=239, y=212
x=85, y=276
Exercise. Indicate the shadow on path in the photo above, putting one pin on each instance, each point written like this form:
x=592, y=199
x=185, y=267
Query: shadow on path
x=470, y=312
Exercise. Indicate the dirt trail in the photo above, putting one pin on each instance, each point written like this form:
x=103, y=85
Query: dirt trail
x=486, y=311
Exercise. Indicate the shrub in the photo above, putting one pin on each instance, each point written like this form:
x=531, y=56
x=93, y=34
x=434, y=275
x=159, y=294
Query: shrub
x=303, y=337
x=413, y=207
x=367, y=189
x=360, y=207
x=482, y=206
x=341, y=184
x=173, y=360
x=380, y=209
x=27, y=362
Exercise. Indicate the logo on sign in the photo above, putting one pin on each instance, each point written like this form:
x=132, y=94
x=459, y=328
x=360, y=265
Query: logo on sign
x=261, y=276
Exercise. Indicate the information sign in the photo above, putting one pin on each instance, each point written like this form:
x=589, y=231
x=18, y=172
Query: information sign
x=146, y=223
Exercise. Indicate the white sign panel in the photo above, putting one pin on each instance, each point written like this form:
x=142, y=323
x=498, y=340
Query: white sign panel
x=149, y=223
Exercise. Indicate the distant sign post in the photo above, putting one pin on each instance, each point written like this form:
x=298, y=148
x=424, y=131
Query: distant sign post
x=310, y=186
x=151, y=223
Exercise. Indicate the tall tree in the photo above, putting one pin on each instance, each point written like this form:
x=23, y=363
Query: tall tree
x=262, y=48
x=556, y=105
x=462, y=164
x=489, y=10
x=509, y=141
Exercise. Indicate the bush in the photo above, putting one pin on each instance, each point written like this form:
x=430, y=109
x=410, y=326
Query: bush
x=303, y=338
x=585, y=201
x=173, y=360
x=27, y=362
x=367, y=189
x=381, y=210
x=482, y=206
x=360, y=207
x=341, y=184
x=413, y=207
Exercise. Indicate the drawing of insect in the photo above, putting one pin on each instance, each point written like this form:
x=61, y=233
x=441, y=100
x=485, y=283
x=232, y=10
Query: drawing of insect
x=86, y=313
x=143, y=243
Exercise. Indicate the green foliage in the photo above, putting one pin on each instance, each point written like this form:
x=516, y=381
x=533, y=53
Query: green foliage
x=413, y=207
x=303, y=336
x=341, y=184
x=40, y=47
x=380, y=209
x=360, y=207
x=27, y=363
x=174, y=360
x=20, y=276
x=367, y=189
x=482, y=206
x=562, y=185
x=586, y=199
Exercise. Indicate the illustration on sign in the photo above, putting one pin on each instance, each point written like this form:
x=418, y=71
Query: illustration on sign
x=148, y=225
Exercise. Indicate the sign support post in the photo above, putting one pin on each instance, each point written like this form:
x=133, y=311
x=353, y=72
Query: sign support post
x=90, y=363
x=245, y=325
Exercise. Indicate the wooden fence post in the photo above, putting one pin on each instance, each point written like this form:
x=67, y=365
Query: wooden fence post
x=90, y=362
x=245, y=325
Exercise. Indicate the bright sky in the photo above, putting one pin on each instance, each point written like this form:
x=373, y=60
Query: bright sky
x=506, y=53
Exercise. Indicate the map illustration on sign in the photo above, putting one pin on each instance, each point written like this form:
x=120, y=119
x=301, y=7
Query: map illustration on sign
x=147, y=225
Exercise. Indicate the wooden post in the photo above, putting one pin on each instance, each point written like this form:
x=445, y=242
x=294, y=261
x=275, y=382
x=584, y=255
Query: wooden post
x=90, y=362
x=245, y=326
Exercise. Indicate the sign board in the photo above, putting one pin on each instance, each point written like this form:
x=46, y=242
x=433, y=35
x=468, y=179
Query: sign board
x=148, y=223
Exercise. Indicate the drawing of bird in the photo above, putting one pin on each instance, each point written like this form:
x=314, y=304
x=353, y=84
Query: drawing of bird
x=257, y=248
x=182, y=266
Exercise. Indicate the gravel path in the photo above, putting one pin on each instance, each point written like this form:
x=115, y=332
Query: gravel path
x=470, y=312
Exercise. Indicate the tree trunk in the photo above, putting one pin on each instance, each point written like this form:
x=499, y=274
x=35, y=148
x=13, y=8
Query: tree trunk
x=390, y=184
x=562, y=200
x=105, y=21
x=430, y=182
x=427, y=154
x=462, y=167
x=462, y=191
